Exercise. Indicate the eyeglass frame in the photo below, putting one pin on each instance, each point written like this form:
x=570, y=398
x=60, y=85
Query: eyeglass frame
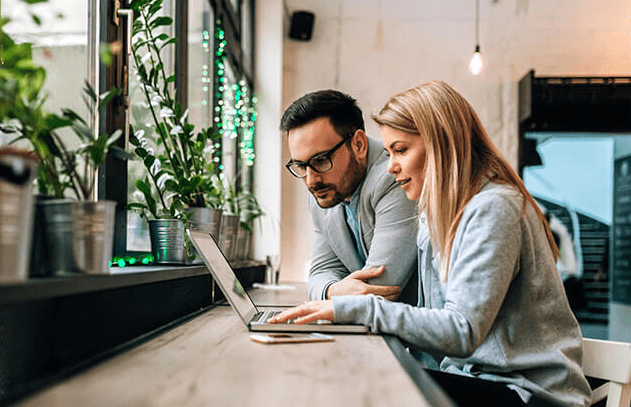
x=326, y=154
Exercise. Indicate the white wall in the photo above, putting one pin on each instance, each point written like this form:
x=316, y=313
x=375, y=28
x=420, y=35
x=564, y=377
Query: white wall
x=268, y=59
x=423, y=40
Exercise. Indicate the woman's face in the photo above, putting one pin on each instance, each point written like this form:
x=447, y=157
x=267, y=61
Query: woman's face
x=407, y=159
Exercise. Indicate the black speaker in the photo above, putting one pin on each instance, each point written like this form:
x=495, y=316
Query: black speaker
x=301, y=26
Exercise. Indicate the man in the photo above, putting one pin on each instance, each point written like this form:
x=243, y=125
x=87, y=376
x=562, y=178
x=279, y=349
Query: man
x=362, y=219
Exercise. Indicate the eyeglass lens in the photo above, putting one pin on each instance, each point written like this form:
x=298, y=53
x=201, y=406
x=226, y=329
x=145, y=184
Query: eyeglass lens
x=319, y=163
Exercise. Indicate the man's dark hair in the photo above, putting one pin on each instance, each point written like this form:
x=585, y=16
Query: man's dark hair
x=339, y=107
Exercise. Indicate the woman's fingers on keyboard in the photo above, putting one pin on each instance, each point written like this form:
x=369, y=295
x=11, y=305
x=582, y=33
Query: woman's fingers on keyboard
x=308, y=312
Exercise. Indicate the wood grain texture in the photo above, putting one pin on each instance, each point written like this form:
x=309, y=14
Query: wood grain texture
x=211, y=361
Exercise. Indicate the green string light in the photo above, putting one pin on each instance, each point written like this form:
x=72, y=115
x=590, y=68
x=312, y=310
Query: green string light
x=235, y=113
x=205, y=73
x=220, y=58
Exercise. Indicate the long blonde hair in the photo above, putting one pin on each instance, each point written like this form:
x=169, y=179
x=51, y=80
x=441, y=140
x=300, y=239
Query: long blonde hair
x=460, y=155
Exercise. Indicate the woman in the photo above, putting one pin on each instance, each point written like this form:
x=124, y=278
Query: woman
x=493, y=303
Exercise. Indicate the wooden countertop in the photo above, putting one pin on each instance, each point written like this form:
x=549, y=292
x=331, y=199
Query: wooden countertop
x=211, y=361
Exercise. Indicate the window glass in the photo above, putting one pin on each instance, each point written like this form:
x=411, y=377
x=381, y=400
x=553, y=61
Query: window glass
x=60, y=46
x=247, y=118
x=200, y=63
x=229, y=128
x=142, y=121
x=235, y=5
x=246, y=36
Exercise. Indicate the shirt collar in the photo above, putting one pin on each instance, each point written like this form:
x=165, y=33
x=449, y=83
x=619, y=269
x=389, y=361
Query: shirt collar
x=354, y=201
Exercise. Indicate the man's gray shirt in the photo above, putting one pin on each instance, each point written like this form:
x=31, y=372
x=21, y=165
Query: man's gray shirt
x=387, y=223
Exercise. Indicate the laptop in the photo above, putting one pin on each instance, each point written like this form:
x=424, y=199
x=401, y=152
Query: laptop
x=252, y=317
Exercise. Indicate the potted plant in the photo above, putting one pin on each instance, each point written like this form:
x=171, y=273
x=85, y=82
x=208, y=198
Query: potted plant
x=79, y=229
x=241, y=209
x=249, y=212
x=179, y=184
x=83, y=240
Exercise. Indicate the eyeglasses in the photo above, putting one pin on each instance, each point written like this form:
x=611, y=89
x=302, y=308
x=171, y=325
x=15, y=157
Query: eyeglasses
x=318, y=163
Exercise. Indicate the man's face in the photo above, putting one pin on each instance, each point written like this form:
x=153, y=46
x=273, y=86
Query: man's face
x=338, y=184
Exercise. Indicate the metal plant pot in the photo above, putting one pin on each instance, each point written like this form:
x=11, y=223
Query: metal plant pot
x=75, y=237
x=56, y=237
x=17, y=171
x=228, y=236
x=244, y=237
x=206, y=219
x=93, y=235
x=39, y=265
x=167, y=241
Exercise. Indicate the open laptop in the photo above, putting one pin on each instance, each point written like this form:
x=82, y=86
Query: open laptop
x=255, y=319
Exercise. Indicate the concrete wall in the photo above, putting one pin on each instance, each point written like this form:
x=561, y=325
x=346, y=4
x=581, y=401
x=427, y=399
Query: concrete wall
x=375, y=48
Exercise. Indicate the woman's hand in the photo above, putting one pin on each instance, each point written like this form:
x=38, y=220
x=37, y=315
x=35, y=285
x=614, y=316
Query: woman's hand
x=310, y=311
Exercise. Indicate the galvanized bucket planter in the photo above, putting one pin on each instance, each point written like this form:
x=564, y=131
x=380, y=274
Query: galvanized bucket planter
x=93, y=235
x=75, y=237
x=56, y=250
x=242, y=249
x=167, y=241
x=228, y=235
x=17, y=171
x=206, y=219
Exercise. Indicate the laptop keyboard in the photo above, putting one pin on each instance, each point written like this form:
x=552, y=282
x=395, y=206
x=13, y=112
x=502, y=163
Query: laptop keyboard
x=263, y=316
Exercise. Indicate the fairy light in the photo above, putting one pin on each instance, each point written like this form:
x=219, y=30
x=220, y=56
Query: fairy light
x=205, y=73
x=219, y=61
x=235, y=111
x=247, y=117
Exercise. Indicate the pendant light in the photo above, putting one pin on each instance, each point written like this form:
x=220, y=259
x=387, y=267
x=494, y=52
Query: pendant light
x=476, y=63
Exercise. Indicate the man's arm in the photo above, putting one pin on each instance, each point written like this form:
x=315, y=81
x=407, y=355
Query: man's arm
x=393, y=242
x=326, y=267
x=393, y=245
x=329, y=274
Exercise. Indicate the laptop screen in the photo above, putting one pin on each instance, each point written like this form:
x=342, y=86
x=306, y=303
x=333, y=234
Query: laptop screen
x=223, y=274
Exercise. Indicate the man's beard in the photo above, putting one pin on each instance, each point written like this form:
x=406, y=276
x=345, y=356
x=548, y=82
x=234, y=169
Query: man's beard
x=354, y=175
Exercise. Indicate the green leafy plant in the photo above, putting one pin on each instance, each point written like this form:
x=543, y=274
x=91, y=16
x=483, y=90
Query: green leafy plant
x=240, y=203
x=62, y=171
x=250, y=211
x=179, y=172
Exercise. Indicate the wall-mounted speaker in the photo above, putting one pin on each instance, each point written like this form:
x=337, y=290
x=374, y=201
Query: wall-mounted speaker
x=301, y=26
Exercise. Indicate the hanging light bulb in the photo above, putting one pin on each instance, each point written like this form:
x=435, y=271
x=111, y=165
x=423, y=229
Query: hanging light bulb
x=476, y=63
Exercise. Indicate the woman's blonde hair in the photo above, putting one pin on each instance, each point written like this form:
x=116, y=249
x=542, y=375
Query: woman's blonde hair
x=460, y=155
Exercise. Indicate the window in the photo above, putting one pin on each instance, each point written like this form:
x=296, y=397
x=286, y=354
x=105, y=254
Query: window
x=218, y=93
x=141, y=119
x=234, y=99
x=59, y=45
x=214, y=82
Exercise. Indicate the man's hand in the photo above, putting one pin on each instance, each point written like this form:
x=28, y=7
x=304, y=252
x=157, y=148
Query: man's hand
x=310, y=311
x=355, y=284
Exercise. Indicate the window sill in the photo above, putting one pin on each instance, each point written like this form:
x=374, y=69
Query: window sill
x=42, y=288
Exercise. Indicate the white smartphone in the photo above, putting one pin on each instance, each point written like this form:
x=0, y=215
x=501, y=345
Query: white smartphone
x=290, y=338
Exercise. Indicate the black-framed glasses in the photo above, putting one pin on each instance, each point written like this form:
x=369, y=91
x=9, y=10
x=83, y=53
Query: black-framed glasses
x=318, y=163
